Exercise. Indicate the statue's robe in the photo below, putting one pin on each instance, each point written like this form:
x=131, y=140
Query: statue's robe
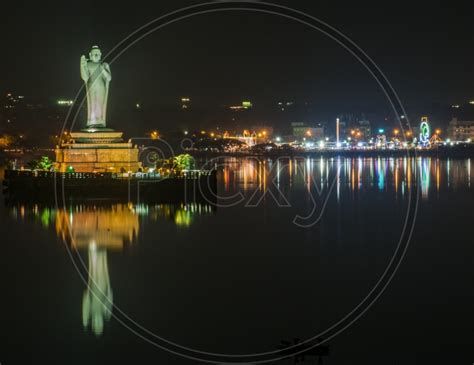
x=97, y=83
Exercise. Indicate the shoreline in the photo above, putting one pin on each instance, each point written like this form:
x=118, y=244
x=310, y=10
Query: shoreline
x=455, y=152
x=448, y=152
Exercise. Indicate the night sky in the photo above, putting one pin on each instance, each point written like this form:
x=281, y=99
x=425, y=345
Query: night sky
x=223, y=58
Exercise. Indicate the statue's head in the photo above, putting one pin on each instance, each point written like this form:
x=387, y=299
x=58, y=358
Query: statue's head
x=95, y=54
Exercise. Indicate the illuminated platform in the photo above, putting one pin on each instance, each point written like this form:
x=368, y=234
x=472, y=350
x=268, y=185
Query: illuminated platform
x=96, y=136
x=97, y=150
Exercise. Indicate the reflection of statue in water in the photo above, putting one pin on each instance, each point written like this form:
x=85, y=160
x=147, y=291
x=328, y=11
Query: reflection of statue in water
x=97, y=300
x=97, y=76
x=104, y=228
x=98, y=229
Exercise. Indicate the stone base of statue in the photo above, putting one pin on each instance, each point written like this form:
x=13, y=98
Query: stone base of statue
x=97, y=150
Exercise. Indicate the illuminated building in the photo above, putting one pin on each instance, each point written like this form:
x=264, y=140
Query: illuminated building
x=185, y=102
x=284, y=105
x=364, y=128
x=65, y=102
x=263, y=132
x=12, y=101
x=247, y=137
x=381, y=141
x=461, y=130
x=302, y=130
x=246, y=105
x=342, y=129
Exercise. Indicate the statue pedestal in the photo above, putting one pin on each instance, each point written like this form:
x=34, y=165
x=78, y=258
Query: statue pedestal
x=98, y=150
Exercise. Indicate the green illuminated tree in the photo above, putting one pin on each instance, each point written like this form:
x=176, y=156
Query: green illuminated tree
x=44, y=164
x=184, y=162
x=174, y=166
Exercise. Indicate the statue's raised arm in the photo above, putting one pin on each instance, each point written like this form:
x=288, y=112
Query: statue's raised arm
x=84, y=69
x=107, y=73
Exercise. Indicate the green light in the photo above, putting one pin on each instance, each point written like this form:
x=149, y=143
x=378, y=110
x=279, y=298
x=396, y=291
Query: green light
x=45, y=218
x=65, y=102
x=183, y=218
x=247, y=104
x=424, y=132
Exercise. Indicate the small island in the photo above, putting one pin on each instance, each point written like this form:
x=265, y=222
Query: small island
x=96, y=163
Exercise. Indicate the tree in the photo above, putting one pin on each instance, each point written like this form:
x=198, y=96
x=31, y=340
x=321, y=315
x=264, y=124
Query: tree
x=11, y=164
x=153, y=158
x=32, y=165
x=44, y=164
x=6, y=141
x=175, y=165
x=184, y=162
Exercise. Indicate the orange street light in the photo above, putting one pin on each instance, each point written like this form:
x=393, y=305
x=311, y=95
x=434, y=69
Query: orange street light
x=396, y=131
x=438, y=131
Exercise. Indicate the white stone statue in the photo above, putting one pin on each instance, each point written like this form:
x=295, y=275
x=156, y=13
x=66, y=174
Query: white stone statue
x=97, y=76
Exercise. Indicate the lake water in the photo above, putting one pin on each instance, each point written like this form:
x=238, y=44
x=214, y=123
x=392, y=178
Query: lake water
x=292, y=247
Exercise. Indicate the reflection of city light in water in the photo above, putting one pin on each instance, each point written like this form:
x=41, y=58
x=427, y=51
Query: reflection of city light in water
x=338, y=182
x=438, y=175
x=468, y=162
x=448, y=171
x=424, y=167
x=309, y=174
x=395, y=171
x=380, y=172
x=278, y=172
x=98, y=230
x=352, y=176
x=359, y=173
x=408, y=172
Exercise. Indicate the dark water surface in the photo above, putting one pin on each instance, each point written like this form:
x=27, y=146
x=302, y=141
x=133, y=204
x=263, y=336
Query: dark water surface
x=242, y=277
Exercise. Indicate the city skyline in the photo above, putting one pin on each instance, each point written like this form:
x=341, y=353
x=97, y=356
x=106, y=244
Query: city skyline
x=236, y=182
x=250, y=62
